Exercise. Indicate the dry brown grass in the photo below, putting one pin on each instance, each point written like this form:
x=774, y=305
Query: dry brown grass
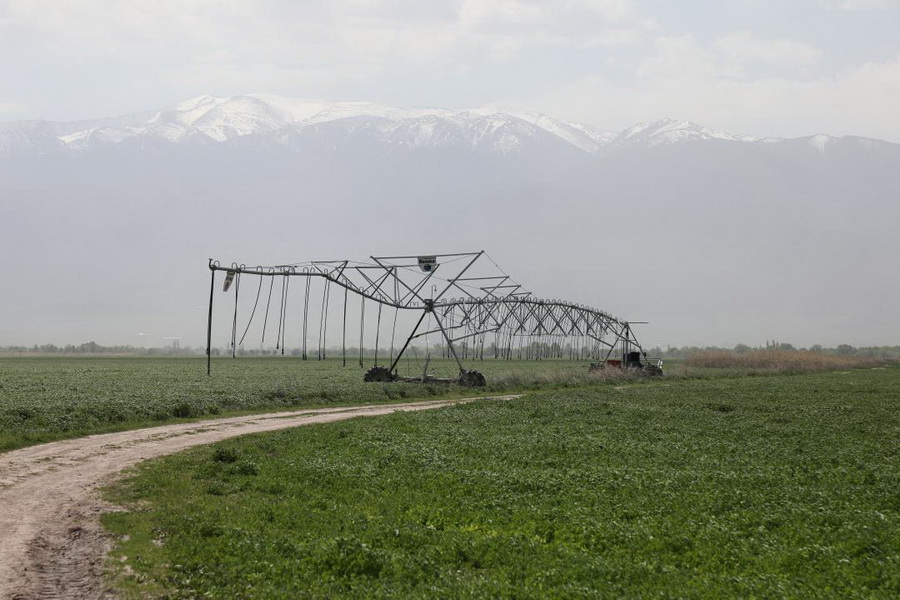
x=777, y=360
x=520, y=379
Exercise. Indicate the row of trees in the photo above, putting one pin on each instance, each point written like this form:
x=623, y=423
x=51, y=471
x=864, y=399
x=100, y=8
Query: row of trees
x=95, y=348
x=840, y=350
x=464, y=350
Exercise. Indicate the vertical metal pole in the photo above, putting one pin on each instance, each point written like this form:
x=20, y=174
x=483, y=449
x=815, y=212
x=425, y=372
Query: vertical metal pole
x=237, y=287
x=305, y=315
x=323, y=320
x=280, y=313
x=344, y=335
x=393, y=333
x=377, y=333
x=212, y=289
x=362, y=323
x=287, y=285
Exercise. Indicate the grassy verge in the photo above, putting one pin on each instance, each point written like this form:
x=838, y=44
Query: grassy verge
x=769, y=486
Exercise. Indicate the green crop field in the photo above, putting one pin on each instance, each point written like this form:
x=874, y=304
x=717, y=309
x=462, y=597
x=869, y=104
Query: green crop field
x=43, y=399
x=771, y=486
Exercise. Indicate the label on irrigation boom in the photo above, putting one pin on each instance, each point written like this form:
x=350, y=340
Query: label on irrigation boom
x=229, y=277
x=427, y=263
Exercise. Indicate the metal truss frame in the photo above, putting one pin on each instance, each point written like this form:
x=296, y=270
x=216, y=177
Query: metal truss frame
x=466, y=294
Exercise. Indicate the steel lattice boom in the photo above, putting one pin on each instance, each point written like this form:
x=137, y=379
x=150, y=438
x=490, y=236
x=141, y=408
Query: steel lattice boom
x=465, y=298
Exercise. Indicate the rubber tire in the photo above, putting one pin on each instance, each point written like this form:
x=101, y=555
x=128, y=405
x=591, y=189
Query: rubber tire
x=378, y=374
x=472, y=379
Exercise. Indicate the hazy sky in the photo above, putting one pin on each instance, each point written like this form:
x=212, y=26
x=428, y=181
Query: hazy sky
x=761, y=67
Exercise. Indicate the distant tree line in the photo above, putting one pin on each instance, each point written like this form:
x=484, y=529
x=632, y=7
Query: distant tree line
x=91, y=348
x=840, y=350
x=465, y=351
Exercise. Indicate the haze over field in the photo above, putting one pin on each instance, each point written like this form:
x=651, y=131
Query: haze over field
x=768, y=210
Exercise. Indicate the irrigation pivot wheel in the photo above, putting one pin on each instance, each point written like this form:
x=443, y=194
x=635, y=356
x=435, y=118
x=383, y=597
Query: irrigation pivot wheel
x=471, y=379
x=379, y=374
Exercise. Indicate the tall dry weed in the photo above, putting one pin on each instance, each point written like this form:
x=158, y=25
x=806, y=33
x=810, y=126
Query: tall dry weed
x=777, y=360
x=520, y=379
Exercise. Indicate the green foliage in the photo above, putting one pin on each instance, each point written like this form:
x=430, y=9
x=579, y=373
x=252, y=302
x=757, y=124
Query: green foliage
x=48, y=398
x=767, y=487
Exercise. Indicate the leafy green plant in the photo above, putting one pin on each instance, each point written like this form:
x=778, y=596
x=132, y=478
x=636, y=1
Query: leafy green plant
x=770, y=486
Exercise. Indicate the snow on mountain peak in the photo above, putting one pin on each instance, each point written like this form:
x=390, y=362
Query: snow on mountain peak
x=670, y=131
x=577, y=134
x=821, y=141
x=297, y=109
x=218, y=118
x=222, y=119
x=239, y=116
x=185, y=113
x=200, y=102
x=289, y=121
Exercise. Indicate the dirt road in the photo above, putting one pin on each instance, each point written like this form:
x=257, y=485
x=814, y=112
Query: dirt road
x=51, y=543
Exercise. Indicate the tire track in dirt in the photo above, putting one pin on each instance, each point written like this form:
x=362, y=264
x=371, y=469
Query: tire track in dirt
x=51, y=542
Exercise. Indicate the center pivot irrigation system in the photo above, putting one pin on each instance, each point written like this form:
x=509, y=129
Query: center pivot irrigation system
x=463, y=300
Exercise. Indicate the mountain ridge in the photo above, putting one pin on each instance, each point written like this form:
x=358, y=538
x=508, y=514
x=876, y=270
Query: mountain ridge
x=224, y=119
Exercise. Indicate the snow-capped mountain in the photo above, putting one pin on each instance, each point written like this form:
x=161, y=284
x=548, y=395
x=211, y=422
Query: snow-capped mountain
x=212, y=119
x=670, y=131
x=291, y=122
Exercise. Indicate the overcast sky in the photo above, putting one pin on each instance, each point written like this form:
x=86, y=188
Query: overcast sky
x=761, y=67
